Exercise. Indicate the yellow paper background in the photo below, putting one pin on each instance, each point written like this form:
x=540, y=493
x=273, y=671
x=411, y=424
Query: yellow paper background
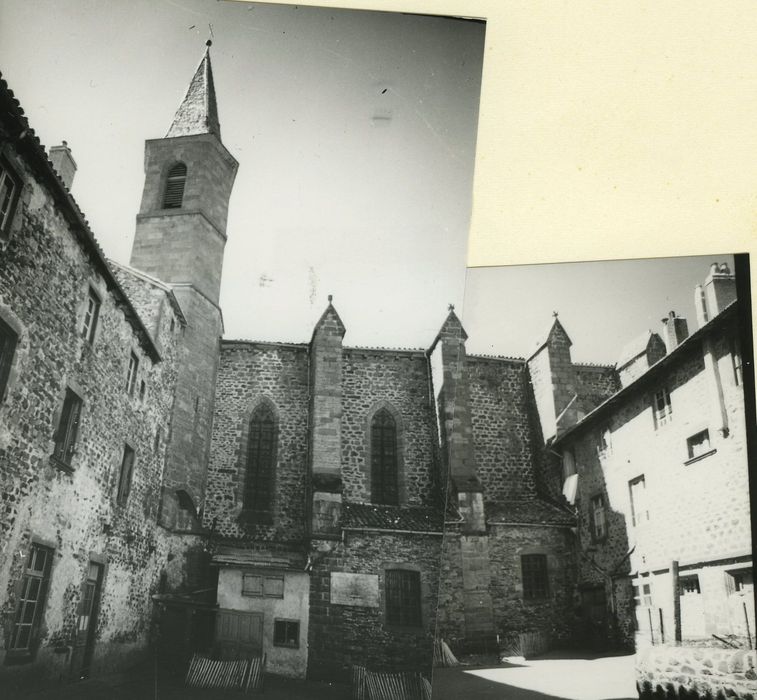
x=610, y=129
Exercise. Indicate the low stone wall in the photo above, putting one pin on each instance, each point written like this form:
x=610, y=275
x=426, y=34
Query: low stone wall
x=696, y=672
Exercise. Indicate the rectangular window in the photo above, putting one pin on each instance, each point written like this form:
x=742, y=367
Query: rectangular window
x=91, y=314
x=131, y=374
x=10, y=188
x=637, y=489
x=403, y=598
x=740, y=581
x=598, y=518
x=689, y=585
x=31, y=602
x=642, y=595
x=68, y=428
x=286, y=633
x=259, y=586
x=124, y=478
x=8, y=340
x=699, y=444
x=535, y=578
x=663, y=410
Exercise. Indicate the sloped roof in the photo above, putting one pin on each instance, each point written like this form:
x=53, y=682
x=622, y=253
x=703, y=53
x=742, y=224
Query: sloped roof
x=554, y=328
x=29, y=147
x=198, y=111
x=451, y=326
x=727, y=315
x=248, y=557
x=532, y=511
x=329, y=314
x=369, y=516
x=633, y=348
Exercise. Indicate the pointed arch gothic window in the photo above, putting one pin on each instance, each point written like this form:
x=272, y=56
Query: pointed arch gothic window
x=175, y=181
x=261, y=462
x=384, y=486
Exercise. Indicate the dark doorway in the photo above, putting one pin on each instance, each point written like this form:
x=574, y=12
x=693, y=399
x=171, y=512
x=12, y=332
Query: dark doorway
x=84, y=643
x=594, y=613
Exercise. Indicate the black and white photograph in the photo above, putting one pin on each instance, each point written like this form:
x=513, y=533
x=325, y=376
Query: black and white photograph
x=264, y=431
x=601, y=484
x=231, y=233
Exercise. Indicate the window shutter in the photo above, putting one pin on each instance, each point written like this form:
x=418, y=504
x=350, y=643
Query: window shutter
x=73, y=427
x=174, y=194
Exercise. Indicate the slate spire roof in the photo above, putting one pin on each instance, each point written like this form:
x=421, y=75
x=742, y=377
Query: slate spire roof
x=198, y=112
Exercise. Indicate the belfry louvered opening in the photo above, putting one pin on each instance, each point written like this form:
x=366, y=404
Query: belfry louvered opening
x=174, y=193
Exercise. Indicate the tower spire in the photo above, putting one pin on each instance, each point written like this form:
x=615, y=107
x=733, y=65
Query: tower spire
x=198, y=112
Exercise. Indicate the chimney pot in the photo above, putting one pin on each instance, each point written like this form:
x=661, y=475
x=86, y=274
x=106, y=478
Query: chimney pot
x=674, y=331
x=64, y=163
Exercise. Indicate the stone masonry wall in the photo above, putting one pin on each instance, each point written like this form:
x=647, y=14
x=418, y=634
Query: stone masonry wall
x=45, y=276
x=341, y=636
x=451, y=611
x=398, y=381
x=596, y=382
x=701, y=504
x=696, y=672
x=553, y=615
x=248, y=374
x=192, y=411
x=502, y=435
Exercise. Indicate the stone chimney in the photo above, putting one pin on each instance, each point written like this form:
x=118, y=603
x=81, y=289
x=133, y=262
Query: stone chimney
x=674, y=331
x=717, y=292
x=64, y=163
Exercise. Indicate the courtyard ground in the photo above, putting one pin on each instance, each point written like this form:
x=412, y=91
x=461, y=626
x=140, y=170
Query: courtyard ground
x=141, y=686
x=553, y=676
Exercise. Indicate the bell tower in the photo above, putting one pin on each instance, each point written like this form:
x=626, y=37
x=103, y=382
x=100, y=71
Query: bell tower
x=180, y=239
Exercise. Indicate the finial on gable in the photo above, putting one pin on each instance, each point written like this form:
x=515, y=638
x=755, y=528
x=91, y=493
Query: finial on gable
x=331, y=297
x=451, y=307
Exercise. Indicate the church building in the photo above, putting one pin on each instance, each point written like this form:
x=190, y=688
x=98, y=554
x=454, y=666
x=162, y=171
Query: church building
x=331, y=506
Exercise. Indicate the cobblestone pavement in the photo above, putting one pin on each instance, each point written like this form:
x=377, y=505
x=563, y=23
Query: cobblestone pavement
x=551, y=677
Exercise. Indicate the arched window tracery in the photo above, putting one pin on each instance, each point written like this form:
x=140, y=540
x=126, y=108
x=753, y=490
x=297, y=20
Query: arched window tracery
x=384, y=462
x=261, y=462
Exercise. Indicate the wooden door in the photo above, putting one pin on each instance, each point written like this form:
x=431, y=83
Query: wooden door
x=239, y=633
x=84, y=641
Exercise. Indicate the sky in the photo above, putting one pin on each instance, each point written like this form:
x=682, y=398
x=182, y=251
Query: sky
x=602, y=305
x=355, y=133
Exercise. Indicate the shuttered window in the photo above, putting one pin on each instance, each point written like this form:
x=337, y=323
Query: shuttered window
x=174, y=194
x=90, y=317
x=10, y=188
x=8, y=340
x=131, y=374
x=68, y=428
x=261, y=461
x=403, y=598
x=124, y=478
x=384, y=489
